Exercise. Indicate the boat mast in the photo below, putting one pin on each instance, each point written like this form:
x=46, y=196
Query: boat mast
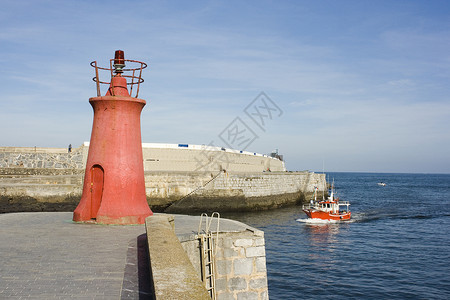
x=332, y=191
x=325, y=183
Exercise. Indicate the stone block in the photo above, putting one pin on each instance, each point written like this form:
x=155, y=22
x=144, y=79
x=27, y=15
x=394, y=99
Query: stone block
x=221, y=284
x=230, y=253
x=255, y=251
x=225, y=296
x=258, y=233
x=243, y=266
x=259, y=242
x=77, y=158
x=261, y=264
x=223, y=267
x=243, y=242
x=237, y=283
x=247, y=296
x=227, y=242
x=258, y=283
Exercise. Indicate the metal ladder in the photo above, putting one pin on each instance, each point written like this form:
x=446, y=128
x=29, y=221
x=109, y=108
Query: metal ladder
x=208, y=246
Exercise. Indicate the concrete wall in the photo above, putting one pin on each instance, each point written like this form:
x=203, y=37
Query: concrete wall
x=157, y=157
x=172, y=273
x=196, y=158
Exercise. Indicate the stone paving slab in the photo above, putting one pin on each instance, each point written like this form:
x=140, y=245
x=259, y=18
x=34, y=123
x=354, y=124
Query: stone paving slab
x=47, y=256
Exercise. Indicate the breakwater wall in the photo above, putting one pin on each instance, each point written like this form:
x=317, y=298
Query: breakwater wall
x=157, y=157
x=230, y=260
x=51, y=179
x=24, y=189
x=249, y=191
x=42, y=158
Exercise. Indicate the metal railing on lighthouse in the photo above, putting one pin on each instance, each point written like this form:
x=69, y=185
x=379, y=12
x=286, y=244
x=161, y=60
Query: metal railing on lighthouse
x=133, y=74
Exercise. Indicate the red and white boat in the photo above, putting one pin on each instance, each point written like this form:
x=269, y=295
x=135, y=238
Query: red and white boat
x=328, y=209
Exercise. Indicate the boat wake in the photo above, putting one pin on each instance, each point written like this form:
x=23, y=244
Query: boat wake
x=315, y=221
x=377, y=216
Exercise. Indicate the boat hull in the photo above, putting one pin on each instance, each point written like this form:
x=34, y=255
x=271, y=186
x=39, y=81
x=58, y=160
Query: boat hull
x=324, y=215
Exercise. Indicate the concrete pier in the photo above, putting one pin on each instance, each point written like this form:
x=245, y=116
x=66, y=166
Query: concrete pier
x=239, y=257
x=47, y=256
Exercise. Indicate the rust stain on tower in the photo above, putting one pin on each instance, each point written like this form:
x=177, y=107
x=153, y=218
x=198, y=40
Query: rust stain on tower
x=114, y=186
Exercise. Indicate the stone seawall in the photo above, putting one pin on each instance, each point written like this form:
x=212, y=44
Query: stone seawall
x=239, y=258
x=42, y=158
x=33, y=190
x=25, y=189
x=253, y=191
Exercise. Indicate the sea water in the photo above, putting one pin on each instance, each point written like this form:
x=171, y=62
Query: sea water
x=397, y=245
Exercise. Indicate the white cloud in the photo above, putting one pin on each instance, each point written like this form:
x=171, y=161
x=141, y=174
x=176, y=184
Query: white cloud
x=373, y=96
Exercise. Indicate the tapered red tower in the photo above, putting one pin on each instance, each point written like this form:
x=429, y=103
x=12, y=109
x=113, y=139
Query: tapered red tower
x=114, y=186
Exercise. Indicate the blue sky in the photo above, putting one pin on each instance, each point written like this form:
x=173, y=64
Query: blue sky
x=361, y=85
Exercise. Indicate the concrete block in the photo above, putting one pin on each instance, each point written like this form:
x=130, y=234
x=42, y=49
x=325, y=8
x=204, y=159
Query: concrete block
x=243, y=266
x=255, y=251
x=264, y=295
x=237, y=283
x=247, y=296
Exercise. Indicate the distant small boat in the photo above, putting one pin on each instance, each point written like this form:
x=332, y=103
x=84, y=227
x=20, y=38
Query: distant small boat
x=329, y=209
x=381, y=184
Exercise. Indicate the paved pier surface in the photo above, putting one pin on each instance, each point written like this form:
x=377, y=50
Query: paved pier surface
x=47, y=256
x=187, y=226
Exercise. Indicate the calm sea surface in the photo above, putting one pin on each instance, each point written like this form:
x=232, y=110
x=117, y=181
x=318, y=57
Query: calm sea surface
x=396, y=247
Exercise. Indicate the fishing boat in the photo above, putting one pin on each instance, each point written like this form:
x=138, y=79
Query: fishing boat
x=381, y=184
x=328, y=209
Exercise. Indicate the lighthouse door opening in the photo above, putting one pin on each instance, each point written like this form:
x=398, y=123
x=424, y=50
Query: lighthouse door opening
x=97, y=178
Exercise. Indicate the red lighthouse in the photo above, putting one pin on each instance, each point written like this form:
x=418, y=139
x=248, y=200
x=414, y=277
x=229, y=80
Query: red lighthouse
x=114, y=187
